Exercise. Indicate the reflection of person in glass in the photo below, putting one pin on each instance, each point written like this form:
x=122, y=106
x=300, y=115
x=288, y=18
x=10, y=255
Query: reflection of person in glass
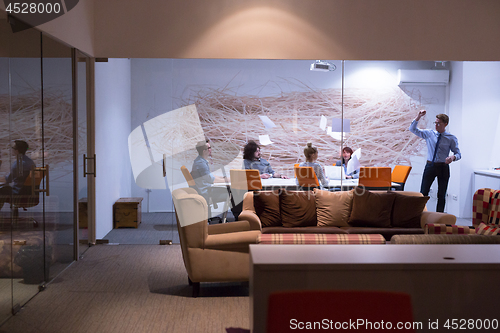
x=311, y=154
x=19, y=171
x=252, y=160
x=439, y=143
x=346, y=156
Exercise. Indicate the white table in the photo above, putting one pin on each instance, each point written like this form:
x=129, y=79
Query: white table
x=486, y=179
x=461, y=288
x=291, y=183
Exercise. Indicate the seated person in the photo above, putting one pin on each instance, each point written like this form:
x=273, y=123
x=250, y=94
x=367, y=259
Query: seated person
x=204, y=178
x=252, y=160
x=346, y=156
x=311, y=154
x=19, y=171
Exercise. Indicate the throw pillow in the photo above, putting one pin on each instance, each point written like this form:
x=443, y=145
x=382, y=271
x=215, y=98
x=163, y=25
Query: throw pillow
x=333, y=208
x=484, y=229
x=298, y=209
x=495, y=208
x=371, y=209
x=267, y=207
x=407, y=211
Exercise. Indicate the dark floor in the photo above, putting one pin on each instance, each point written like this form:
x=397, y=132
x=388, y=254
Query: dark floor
x=155, y=227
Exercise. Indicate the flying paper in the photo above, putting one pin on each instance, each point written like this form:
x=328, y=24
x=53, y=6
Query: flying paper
x=268, y=123
x=264, y=140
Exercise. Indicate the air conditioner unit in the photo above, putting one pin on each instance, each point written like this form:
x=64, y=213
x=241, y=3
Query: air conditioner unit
x=436, y=77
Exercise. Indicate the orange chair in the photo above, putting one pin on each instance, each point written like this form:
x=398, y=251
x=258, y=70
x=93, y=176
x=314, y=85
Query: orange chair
x=29, y=196
x=296, y=165
x=191, y=183
x=242, y=181
x=188, y=177
x=399, y=175
x=339, y=306
x=375, y=178
x=306, y=177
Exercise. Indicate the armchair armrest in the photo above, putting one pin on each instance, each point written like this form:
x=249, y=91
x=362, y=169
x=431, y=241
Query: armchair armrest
x=252, y=219
x=224, y=228
x=237, y=240
x=436, y=218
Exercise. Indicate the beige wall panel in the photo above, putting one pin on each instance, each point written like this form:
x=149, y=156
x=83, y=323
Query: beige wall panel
x=75, y=28
x=298, y=29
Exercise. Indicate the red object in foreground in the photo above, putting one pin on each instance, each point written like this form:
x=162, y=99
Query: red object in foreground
x=354, y=311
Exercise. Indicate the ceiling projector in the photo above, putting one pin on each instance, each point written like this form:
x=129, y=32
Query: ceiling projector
x=322, y=66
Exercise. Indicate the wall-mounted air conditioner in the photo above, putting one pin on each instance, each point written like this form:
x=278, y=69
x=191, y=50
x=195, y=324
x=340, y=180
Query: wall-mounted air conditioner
x=436, y=77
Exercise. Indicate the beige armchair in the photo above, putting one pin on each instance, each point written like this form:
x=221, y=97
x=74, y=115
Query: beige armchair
x=211, y=253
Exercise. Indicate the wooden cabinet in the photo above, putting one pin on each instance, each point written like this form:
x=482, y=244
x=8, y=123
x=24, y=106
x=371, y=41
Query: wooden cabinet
x=127, y=212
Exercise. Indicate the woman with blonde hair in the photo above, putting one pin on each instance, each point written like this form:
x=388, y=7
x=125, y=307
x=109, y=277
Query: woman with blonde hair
x=311, y=154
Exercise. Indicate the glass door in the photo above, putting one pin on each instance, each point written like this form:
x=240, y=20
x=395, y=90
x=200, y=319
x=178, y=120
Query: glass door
x=85, y=158
x=37, y=146
x=23, y=265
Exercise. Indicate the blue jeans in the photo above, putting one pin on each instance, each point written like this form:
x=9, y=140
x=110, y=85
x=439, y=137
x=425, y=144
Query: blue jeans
x=442, y=172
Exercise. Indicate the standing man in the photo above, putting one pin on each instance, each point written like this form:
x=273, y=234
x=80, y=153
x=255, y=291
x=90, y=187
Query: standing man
x=439, y=143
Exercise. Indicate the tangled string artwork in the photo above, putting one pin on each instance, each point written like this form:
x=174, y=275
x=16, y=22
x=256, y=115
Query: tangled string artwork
x=379, y=121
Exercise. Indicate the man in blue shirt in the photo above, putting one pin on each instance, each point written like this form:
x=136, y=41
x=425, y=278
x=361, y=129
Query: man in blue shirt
x=439, y=144
x=204, y=178
x=252, y=160
x=19, y=171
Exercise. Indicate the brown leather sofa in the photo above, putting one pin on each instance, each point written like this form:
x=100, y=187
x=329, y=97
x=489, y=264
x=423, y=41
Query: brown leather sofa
x=211, y=253
x=349, y=212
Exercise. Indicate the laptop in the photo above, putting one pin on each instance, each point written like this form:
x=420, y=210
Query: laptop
x=334, y=172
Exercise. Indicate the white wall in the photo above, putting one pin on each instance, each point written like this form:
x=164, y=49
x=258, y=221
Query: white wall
x=112, y=127
x=476, y=95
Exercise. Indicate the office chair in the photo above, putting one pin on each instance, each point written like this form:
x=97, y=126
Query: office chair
x=399, y=175
x=242, y=181
x=210, y=200
x=375, y=178
x=306, y=177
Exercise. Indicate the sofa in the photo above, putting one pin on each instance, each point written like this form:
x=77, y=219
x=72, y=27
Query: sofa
x=344, y=212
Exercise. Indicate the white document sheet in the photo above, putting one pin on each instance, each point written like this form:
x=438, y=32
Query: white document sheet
x=322, y=123
x=268, y=123
x=353, y=164
x=265, y=140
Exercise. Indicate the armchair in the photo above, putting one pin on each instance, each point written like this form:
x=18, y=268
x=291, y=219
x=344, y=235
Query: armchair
x=211, y=253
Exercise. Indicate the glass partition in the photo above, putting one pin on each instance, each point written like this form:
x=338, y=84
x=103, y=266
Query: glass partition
x=36, y=164
x=58, y=153
x=356, y=113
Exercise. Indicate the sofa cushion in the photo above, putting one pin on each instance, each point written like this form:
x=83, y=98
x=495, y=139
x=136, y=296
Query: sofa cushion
x=484, y=229
x=448, y=229
x=267, y=207
x=303, y=230
x=407, y=210
x=371, y=209
x=320, y=239
x=386, y=232
x=495, y=208
x=298, y=209
x=333, y=208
